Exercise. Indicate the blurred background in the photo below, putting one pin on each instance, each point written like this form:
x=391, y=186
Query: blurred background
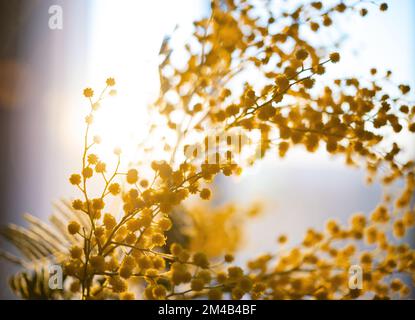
x=43, y=72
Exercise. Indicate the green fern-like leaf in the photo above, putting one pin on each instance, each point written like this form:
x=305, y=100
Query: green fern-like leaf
x=38, y=246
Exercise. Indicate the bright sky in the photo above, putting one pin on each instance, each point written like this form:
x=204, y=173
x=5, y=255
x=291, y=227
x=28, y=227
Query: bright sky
x=125, y=40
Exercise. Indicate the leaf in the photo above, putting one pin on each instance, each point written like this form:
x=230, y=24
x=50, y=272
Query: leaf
x=40, y=242
x=33, y=285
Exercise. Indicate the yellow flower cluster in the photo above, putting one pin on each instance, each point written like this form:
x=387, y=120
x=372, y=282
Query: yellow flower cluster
x=145, y=252
x=348, y=116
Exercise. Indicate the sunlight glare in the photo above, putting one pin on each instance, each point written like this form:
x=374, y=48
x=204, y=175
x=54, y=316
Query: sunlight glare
x=122, y=120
